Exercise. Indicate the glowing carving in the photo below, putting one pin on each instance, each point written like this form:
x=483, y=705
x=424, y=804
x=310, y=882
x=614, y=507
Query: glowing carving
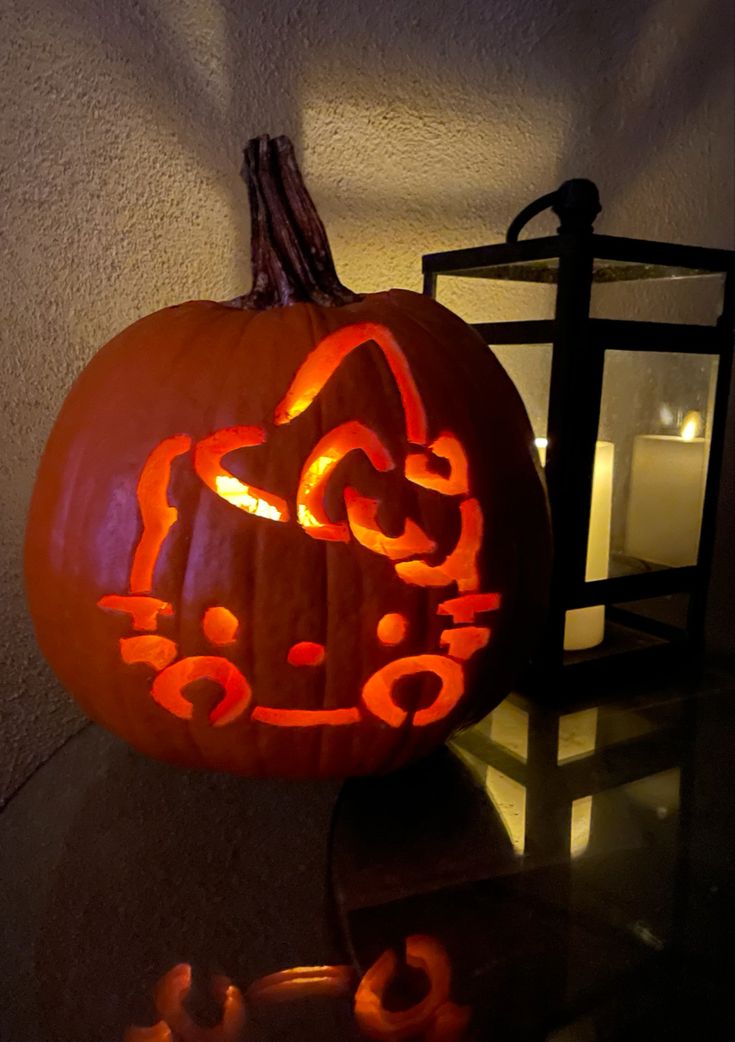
x=433, y=1018
x=362, y=516
x=169, y=684
x=300, y=981
x=306, y=653
x=392, y=628
x=329, y=354
x=333, y=448
x=208, y=455
x=447, y=447
x=156, y=513
x=306, y=717
x=464, y=609
x=159, y=1032
x=393, y=1025
x=248, y=498
x=220, y=625
x=377, y=693
x=144, y=611
x=170, y=997
x=460, y=565
x=465, y=641
x=155, y=651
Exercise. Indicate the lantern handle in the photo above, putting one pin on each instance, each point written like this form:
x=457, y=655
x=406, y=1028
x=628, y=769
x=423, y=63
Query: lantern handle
x=576, y=203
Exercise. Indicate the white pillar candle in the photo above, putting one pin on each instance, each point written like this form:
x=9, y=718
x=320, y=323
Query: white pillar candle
x=667, y=478
x=585, y=627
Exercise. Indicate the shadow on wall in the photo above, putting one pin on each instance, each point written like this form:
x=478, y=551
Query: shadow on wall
x=419, y=113
x=487, y=109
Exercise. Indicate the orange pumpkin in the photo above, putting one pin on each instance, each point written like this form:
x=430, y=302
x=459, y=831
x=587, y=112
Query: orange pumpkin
x=300, y=533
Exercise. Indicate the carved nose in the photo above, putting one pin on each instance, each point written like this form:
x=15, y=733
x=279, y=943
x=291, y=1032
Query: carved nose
x=306, y=653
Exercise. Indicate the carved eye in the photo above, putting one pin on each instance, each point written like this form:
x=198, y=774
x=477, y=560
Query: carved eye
x=392, y=628
x=318, y=468
x=208, y=464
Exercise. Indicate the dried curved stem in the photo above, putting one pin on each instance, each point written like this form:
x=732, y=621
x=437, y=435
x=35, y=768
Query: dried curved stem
x=291, y=258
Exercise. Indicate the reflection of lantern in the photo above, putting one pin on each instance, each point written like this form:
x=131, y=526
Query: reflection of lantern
x=545, y=770
x=324, y=506
x=632, y=484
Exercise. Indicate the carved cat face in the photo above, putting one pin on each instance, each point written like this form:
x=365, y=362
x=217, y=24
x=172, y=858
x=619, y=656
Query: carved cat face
x=435, y=463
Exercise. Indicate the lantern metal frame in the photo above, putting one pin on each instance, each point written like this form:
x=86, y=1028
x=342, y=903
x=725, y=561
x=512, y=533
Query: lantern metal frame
x=574, y=259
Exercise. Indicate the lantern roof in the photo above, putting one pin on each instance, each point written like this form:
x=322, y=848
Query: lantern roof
x=615, y=259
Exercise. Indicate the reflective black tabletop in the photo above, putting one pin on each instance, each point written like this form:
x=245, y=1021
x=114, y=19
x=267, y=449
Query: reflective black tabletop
x=548, y=876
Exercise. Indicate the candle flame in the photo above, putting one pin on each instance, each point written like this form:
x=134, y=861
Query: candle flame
x=691, y=426
x=541, y=443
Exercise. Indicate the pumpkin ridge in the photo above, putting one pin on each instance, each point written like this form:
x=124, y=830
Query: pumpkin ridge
x=196, y=515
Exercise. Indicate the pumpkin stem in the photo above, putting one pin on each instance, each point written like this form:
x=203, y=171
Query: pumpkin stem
x=290, y=252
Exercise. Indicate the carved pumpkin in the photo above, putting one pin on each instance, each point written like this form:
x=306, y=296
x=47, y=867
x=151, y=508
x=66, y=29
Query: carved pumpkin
x=300, y=533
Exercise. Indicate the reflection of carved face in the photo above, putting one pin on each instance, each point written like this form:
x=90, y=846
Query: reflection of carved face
x=433, y=1018
x=439, y=465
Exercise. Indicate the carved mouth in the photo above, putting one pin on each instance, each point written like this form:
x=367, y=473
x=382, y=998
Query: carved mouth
x=377, y=697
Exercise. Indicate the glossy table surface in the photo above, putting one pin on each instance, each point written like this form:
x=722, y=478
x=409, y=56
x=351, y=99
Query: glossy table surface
x=549, y=876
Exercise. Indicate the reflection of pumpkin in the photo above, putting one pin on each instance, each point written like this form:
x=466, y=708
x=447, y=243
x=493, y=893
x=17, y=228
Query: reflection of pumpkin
x=434, y=1017
x=177, y=1024
x=323, y=508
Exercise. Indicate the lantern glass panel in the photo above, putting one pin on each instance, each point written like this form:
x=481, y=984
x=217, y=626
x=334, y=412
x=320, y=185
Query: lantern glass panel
x=546, y=269
x=682, y=299
x=529, y=367
x=480, y=300
x=670, y=610
x=657, y=411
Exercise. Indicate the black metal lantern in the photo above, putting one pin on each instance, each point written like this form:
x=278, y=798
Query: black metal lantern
x=631, y=434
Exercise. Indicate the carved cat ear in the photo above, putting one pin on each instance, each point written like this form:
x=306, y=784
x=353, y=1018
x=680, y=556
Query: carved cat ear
x=327, y=357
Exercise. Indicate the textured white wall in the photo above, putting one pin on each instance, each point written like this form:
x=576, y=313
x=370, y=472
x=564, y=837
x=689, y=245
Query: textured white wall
x=423, y=124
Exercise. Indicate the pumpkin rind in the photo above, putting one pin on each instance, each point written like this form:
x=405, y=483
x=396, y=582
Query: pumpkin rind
x=270, y=584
